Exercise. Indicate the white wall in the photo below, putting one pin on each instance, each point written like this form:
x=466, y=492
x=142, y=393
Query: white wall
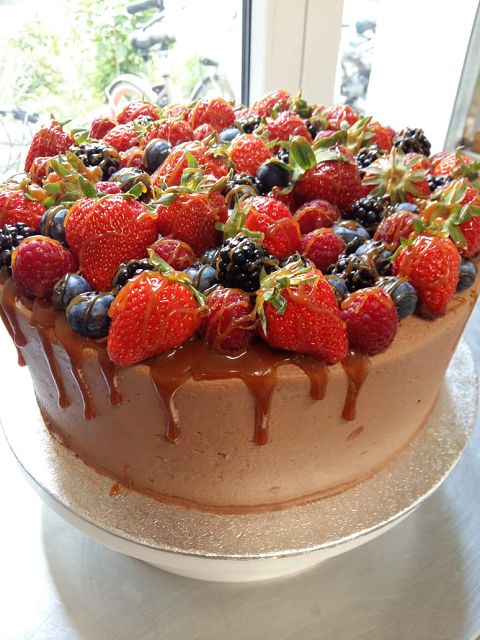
x=420, y=48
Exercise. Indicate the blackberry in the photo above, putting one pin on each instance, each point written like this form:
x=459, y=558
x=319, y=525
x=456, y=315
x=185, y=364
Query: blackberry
x=11, y=236
x=240, y=184
x=128, y=270
x=249, y=123
x=368, y=211
x=128, y=177
x=366, y=156
x=437, y=181
x=412, y=141
x=356, y=271
x=99, y=154
x=240, y=262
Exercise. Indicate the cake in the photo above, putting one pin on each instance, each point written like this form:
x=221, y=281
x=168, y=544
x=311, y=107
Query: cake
x=237, y=310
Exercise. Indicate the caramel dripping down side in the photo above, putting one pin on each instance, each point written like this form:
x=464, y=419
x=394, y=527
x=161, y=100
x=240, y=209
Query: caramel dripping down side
x=9, y=316
x=357, y=368
x=256, y=367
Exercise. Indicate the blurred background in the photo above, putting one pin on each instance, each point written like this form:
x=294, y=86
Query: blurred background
x=405, y=62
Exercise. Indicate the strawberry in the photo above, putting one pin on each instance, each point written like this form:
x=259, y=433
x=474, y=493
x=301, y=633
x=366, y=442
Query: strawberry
x=400, y=177
x=371, y=319
x=316, y=214
x=398, y=225
x=192, y=217
x=204, y=131
x=38, y=169
x=274, y=220
x=298, y=311
x=176, y=253
x=107, y=187
x=48, y=141
x=177, y=111
x=454, y=165
x=138, y=108
x=100, y=127
x=287, y=124
x=213, y=111
x=152, y=313
x=278, y=100
x=322, y=247
x=104, y=232
x=171, y=170
x=132, y=157
x=248, y=152
x=334, y=178
x=173, y=131
x=38, y=263
x=432, y=265
x=122, y=136
x=381, y=136
x=341, y=113
x=16, y=207
x=230, y=323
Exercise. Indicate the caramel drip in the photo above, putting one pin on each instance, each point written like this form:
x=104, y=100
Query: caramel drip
x=110, y=374
x=256, y=367
x=9, y=317
x=63, y=400
x=356, y=367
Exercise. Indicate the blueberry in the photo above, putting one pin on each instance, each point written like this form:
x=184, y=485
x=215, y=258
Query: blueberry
x=155, y=154
x=381, y=256
x=468, y=274
x=227, y=135
x=352, y=233
x=204, y=276
x=87, y=314
x=272, y=174
x=407, y=206
x=402, y=293
x=339, y=287
x=69, y=286
x=52, y=223
x=209, y=256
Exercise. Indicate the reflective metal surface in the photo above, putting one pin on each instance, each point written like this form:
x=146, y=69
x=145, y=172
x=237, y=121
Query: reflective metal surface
x=421, y=580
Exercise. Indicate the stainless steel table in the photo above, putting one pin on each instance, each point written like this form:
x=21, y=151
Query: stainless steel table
x=419, y=581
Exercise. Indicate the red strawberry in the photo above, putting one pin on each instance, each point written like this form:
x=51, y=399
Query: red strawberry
x=151, y=314
x=278, y=100
x=176, y=253
x=214, y=111
x=107, y=187
x=394, y=227
x=335, y=178
x=298, y=312
x=38, y=169
x=191, y=217
x=341, y=113
x=455, y=164
x=400, y=177
x=371, y=319
x=132, y=157
x=173, y=131
x=136, y=109
x=122, y=137
x=288, y=124
x=171, y=170
x=100, y=127
x=15, y=207
x=203, y=131
x=230, y=324
x=107, y=231
x=177, y=111
x=316, y=214
x=48, y=141
x=381, y=136
x=38, y=263
x=322, y=247
x=274, y=220
x=432, y=264
x=248, y=152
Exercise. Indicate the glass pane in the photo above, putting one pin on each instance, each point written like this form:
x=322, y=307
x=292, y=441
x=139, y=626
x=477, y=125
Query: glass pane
x=66, y=57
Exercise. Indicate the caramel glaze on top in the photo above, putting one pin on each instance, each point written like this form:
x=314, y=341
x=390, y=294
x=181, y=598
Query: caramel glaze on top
x=256, y=367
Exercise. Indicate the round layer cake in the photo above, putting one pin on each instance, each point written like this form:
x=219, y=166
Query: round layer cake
x=234, y=434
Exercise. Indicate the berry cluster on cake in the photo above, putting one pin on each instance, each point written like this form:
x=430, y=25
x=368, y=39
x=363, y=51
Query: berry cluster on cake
x=187, y=284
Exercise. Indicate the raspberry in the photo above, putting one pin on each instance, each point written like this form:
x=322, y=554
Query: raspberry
x=230, y=324
x=315, y=215
x=371, y=319
x=37, y=263
x=176, y=253
x=322, y=247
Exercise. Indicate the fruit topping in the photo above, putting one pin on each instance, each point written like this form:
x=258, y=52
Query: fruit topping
x=240, y=262
x=11, y=235
x=230, y=323
x=87, y=314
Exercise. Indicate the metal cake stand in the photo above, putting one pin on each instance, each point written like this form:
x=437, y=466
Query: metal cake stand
x=247, y=547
